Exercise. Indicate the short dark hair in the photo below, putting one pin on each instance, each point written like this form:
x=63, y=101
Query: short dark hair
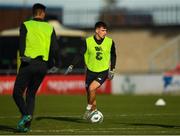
x=38, y=6
x=100, y=24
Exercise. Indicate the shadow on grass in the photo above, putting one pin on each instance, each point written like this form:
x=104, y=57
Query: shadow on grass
x=7, y=129
x=62, y=118
x=156, y=125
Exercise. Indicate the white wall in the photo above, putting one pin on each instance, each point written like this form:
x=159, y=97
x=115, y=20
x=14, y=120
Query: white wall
x=144, y=84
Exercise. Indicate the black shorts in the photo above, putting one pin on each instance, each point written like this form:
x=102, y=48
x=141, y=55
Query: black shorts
x=100, y=77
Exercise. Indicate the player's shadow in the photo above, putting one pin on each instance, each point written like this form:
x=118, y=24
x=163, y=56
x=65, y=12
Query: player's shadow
x=7, y=129
x=156, y=125
x=61, y=118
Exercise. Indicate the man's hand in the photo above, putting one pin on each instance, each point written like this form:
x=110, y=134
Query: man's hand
x=69, y=69
x=110, y=75
x=53, y=70
x=25, y=59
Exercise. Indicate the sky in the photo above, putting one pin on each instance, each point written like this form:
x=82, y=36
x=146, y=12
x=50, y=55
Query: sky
x=92, y=4
x=69, y=6
x=148, y=3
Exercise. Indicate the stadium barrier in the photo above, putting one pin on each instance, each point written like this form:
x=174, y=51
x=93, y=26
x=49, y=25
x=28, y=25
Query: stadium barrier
x=146, y=84
x=56, y=84
x=121, y=84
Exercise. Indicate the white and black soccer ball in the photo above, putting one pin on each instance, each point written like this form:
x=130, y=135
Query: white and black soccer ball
x=96, y=117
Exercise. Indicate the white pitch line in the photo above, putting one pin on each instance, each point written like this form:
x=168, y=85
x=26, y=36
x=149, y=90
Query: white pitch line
x=94, y=130
x=69, y=131
x=5, y=117
x=109, y=116
x=125, y=115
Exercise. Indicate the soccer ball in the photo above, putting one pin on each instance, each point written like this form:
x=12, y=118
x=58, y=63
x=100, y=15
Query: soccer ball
x=96, y=117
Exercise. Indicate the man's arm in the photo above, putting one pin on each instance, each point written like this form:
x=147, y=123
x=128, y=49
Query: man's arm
x=80, y=55
x=113, y=56
x=113, y=62
x=77, y=58
x=22, y=44
x=54, y=51
x=22, y=40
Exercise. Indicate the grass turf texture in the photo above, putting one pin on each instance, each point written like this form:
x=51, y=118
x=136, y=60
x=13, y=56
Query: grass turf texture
x=123, y=115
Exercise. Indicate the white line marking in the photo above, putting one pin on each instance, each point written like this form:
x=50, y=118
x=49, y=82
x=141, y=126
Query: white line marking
x=108, y=115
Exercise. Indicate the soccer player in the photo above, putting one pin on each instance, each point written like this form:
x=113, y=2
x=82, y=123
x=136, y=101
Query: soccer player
x=37, y=43
x=100, y=59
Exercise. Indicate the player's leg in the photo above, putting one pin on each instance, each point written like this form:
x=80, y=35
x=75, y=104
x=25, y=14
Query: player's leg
x=94, y=107
x=32, y=89
x=89, y=78
x=94, y=85
x=93, y=82
x=92, y=94
x=88, y=99
x=91, y=99
x=21, y=82
x=38, y=73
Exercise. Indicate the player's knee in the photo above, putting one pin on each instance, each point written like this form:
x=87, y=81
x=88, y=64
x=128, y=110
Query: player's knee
x=91, y=88
x=31, y=94
x=15, y=94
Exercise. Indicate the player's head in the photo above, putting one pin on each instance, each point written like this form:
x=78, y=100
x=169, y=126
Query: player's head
x=100, y=29
x=39, y=10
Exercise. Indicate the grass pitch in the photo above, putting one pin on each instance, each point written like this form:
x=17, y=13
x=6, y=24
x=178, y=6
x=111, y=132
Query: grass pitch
x=61, y=114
